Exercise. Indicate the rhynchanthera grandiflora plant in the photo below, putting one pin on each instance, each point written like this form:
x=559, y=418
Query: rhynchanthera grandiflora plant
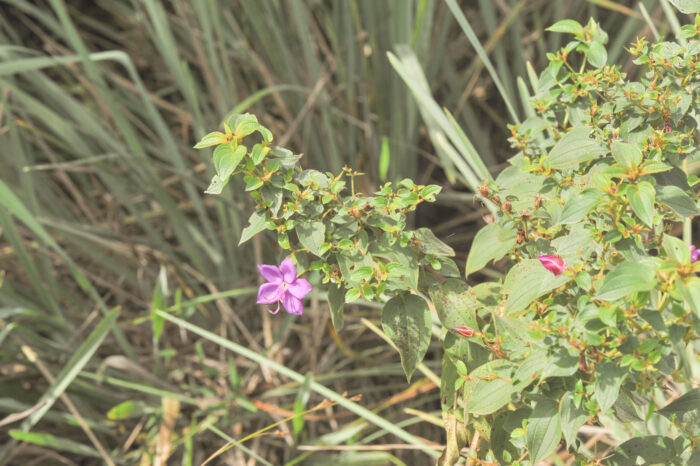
x=596, y=320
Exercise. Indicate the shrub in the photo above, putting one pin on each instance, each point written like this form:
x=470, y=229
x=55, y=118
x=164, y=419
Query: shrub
x=600, y=308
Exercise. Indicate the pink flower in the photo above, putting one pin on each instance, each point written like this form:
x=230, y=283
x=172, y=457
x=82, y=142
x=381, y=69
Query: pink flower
x=283, y=287
x=694, y=253
x=554, y=264
x=464, y=331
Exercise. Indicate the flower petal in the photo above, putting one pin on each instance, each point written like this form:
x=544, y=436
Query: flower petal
x=269, y=293
x=270, y=273
x=554, y=264
x=299, y=288
x=292, y=304
x=276, y=310
x=289, y=272
x=694, y=253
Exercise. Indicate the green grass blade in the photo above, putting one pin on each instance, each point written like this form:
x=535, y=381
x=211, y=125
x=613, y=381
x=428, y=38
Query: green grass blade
x=464, y=24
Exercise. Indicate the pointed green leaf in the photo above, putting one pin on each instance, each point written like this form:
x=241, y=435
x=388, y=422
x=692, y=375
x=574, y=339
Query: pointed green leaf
x=677, y=199
x=217, y=185
x=489, y=387
x=211, y=139
x=571, y=417
x=626, y=278
x=608, y=379
x=406, y=321
x=543, y=430
x=227, y=158
x=528, y=281
x=653, y=449
x=689, y=401
x=627, y=154
x=312, y=235
x=641, y=198
x=690, y=290
x=455, y=304
x=597, y=55
x=568, y=26
x=575, y=147
x=491, y=243
x=336, y=301
x=256, y=224
x=676, y=249
x=687, y=6
x=578, y=206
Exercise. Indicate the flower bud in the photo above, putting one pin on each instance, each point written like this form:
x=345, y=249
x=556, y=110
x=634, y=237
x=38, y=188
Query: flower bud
x=554, y=264
x=464, y=331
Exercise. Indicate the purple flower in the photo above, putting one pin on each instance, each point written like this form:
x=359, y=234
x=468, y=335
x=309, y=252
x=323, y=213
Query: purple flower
x=283, y=287
x=694, y=253
x=554, y=264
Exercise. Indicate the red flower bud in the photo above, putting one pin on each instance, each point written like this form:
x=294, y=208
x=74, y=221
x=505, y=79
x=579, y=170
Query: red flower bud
x=554, y=264
x=464, y=331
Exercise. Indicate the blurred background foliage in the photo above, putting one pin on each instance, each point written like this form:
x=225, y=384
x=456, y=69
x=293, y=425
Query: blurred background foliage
x=103, y=220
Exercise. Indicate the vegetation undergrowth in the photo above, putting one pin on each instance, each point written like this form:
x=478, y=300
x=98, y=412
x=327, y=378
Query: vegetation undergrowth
x=600, y=309
x=104, y=225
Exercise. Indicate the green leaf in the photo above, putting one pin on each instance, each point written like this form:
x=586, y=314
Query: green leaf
x=690, y=290
x=491, y=243
x=256, y=224
x=597, y=55
x=406, y=321
x=578, y=206
x=128, y=409
x=489, y=388
x=689, y=401
x=560, y=364
x=608, y=379
x=677, y=199
x=641, y=198
x=571, y=417
x=653, y=449
x=688, y=31
x=575, y=147
x=676, y=249
x=527, y=281
x=627, y=154
x=312, y=235
x=431, y=244
x=625, y=409
x=568, y=26
x=259, y=153
x=654, y=166
x=687, y=6
x=543, y=430
x=227, y=158
x=336, y=301
x=211, y=139
x=217, y=185
x=626, y=278
x=455, y=304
